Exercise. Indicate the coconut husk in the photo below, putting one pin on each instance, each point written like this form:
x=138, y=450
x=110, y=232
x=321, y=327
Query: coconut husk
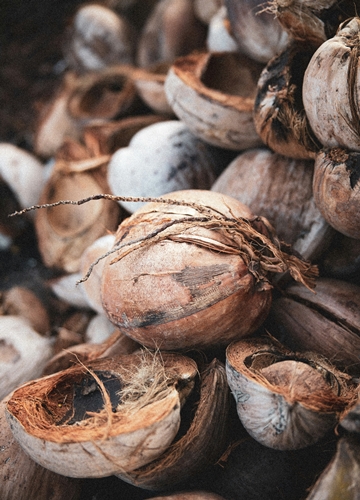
x=216, y=108
x=110, y=136
x=21, y=301
x=309, y=21
x=193, y=451
x=326, y=322
x=103, y=94
x=241, y=249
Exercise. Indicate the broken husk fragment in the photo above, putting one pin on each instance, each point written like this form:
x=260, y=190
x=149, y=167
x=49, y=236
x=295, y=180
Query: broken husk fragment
x=326, y=322
x=193, y=451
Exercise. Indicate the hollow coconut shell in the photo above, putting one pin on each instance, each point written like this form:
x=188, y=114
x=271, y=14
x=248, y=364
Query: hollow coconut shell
x=104, y=439
x=188, y=271
x=285, y=400
x=65, y=232
x=213, y=93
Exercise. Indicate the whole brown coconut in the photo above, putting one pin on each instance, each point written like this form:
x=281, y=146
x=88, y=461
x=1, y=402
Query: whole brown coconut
x=191, y=271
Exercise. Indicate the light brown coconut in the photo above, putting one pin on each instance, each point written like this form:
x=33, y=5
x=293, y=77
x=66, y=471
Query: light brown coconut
x=190, y=272
x=331, y=91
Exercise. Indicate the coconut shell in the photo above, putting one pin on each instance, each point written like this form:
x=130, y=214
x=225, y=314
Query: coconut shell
x=330, y=89
x=66, y=231
x=191, y=269
x=258, y=33
x=280, y=189
x=279, y=113
x=23, y=353
x=176, y=160
x=171, y=30
x=105, y=440
x=340, y=479
x=150, y=83
x=97, y=38
x=312, y=22
x=285, y=400
x=103, y=94
x=214, y=95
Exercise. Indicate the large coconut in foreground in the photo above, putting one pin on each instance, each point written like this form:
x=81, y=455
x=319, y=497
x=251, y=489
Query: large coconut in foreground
x=192, y=272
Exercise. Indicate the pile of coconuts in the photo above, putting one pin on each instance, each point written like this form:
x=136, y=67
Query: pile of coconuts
x=183, y=249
